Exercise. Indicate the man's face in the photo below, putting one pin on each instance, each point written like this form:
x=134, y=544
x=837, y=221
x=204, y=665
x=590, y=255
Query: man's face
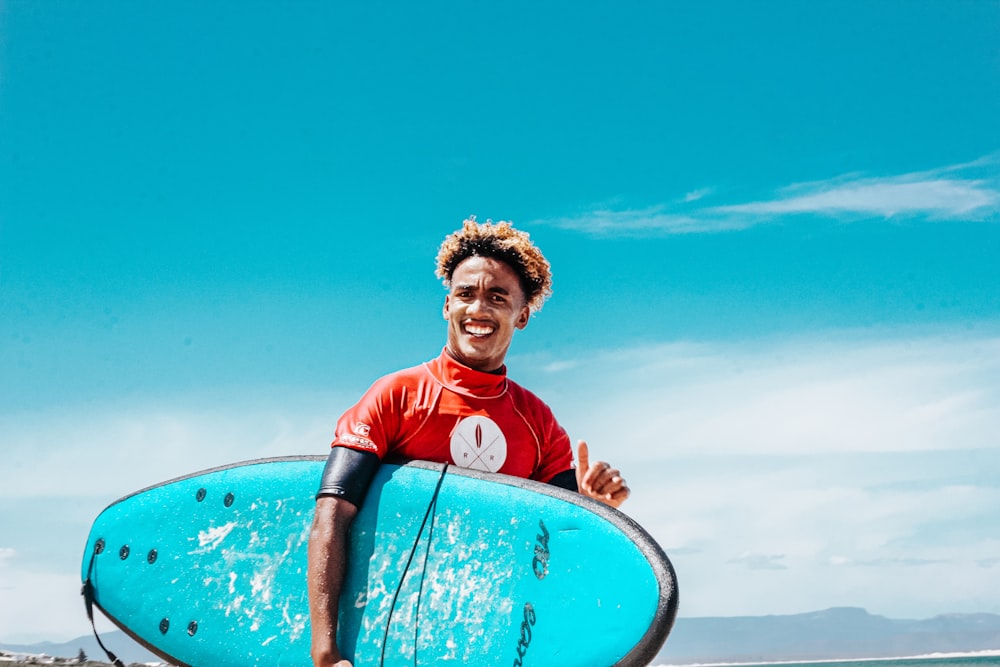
x=484, y=307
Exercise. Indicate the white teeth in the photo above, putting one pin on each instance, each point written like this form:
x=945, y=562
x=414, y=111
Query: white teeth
x=478, y=330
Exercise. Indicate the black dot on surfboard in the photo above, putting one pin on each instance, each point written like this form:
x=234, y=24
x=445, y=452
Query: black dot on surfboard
x=192, y=628
x=151, y=557
x=229, y=499
x=123, y=552
x=200, y=496
x=164, y=626
x=99, y=546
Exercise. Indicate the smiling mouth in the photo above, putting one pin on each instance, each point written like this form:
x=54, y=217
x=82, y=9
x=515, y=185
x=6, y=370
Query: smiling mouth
x=479, y=330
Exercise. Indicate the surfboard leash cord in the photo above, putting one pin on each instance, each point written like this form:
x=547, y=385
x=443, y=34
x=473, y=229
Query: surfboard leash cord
x=88, y=600
x=429, y=514
x=423, y=570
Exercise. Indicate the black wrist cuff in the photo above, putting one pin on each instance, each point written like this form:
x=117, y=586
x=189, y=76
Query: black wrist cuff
x=565, y=480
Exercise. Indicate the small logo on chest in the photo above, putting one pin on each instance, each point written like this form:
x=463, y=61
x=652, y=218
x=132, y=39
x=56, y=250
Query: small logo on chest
x=478, y=443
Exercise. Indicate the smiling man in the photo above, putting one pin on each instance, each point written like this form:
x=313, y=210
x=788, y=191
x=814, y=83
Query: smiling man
x=459, y=408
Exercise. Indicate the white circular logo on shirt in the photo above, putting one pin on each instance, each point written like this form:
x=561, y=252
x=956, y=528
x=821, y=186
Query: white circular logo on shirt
x=478, y=443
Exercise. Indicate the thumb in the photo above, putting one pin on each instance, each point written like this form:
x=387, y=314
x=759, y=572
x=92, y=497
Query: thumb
x=582, y=463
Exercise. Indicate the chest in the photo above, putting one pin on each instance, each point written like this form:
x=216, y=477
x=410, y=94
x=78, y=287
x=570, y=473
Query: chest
x=493, y=435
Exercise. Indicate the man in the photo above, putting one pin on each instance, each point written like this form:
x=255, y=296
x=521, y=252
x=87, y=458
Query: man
x=447, y=409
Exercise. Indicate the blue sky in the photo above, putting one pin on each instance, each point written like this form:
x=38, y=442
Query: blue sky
x=774, y=229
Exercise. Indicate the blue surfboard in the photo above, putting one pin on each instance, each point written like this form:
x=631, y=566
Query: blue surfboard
x=446, y=566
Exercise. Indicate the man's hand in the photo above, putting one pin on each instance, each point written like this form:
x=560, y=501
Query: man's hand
x=599, y=481
x=325, y=663
x=324, y=656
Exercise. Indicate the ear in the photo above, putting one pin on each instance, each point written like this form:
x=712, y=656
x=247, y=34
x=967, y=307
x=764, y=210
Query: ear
x=523, y=317
x=447, y=305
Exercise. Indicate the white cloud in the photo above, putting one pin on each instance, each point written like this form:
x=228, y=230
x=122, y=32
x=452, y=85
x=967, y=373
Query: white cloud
x=816, y=535
x=40, y=606
x=886, y=198
x=969, y=191
x=761, y=561
x=652, y=220
x=838, y=467
x=109, y=453
x=695, y=195
x=844, y=392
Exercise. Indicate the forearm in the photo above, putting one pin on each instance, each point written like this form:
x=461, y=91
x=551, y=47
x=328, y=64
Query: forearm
x=327, y=563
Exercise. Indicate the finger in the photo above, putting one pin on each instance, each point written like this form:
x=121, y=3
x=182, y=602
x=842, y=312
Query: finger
x=608, y=482
x=616, y=486
x=591, y=478
x=583, y=455
x=603, y=478
x=582, y=462
x=618, y=497
x=600, y=477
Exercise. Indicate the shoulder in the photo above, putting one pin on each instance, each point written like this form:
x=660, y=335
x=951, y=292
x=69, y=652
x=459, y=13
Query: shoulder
x=399, y=383
x=402, y=376
x=525, y=398
x=554, y=440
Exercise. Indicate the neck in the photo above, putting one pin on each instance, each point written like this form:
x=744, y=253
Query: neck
x=495, y=371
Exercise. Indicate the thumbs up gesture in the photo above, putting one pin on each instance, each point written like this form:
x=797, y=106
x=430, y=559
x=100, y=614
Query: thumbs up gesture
x=599, y=480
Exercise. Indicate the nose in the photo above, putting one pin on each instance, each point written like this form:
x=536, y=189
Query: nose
x=475, y=306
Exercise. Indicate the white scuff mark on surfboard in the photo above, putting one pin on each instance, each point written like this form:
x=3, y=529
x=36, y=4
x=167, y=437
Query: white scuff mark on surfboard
x=460, y=583
x=209, y=540
x=250, y=576
x=251, y=615
x=453, y=532
x=383, y=571
x=269, y=640
x=234, y=605
x=296, y=624
x=260, y=585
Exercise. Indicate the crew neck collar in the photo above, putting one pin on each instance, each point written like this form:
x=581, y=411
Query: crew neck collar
x=465, y=380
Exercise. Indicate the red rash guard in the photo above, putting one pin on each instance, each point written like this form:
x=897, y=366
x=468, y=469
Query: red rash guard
x=446, y=412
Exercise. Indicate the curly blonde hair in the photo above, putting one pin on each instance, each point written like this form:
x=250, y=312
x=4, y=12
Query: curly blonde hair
x=502, y=242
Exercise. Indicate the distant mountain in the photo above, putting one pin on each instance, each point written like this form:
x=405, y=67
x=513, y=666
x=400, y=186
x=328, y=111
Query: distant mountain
x=121, y=644
x=842, y=632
